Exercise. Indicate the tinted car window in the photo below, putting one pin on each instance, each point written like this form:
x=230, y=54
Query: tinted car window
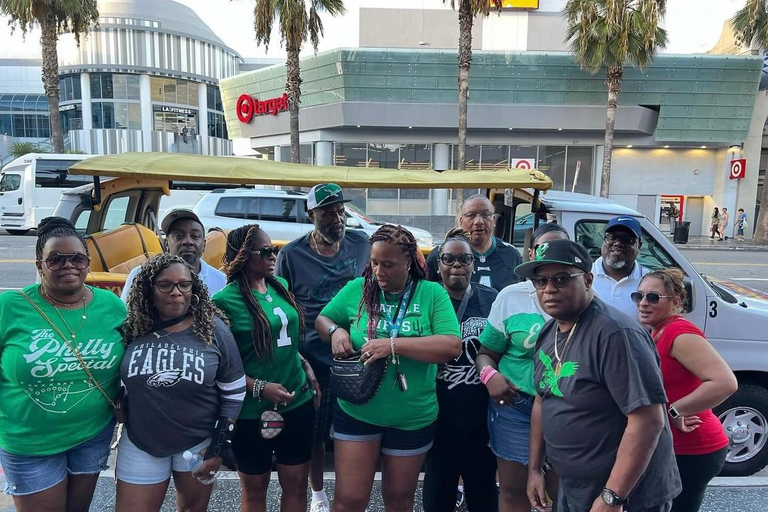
x=237, y=207
x=277, y=209
x=589, y=233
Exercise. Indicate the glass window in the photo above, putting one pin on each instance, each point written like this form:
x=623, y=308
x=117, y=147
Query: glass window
x=278, y=209
x=10, y=182
x=306, y=156
x=95, y=85
x=169, y=91
x=472, y=158
x=6, y=125
x=17, y=102
x=133, y=91
x=156, y=85
x=192, y=93
x=117, y=211
x=384, y=156
x=237, y=207
x=495, y=157
x=121, y=115
x=76, y=91
x=5, y=102
x=120, y=87
x=351, y=154
x=214, y=98
x=96, y=114
x=134, y=116
x=18, y=126
x=65, y=94
x=107, y=89
x=552, y=163
x=43, y=126
x=182, y=95
x=517, y=153
x=109, y=115
x=53, y=173
x=583, y=158
x=42, y=104
x=415, y=156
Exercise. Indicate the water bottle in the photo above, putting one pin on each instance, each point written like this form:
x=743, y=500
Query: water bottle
x=194, y=460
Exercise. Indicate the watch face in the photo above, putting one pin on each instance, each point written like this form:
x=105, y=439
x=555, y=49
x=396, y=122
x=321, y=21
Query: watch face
x=608, y=497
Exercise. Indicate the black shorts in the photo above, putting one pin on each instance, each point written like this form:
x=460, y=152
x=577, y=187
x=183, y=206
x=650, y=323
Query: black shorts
x=324, y=416
x=253, y=454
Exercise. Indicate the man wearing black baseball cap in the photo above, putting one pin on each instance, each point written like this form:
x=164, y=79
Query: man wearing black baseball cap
x=317, y=266
x=617, y=272
x=599, y=412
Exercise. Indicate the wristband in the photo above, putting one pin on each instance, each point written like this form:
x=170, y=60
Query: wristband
x=221, y=440
x=487, y=373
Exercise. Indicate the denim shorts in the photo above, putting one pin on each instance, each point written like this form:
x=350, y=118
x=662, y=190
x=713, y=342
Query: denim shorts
x=29, y=474
x=135, y=466
x=510, y=429
x=396, y=442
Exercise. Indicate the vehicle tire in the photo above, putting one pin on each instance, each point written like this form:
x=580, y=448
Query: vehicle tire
x=18, y=232
x=745, y=419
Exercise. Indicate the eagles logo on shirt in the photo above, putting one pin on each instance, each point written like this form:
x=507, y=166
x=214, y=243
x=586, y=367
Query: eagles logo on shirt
x=165, y=378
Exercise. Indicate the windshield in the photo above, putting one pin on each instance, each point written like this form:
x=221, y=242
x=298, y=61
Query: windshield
x=10, y=182
x=367, y=218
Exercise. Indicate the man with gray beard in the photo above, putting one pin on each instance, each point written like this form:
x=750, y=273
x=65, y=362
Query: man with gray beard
x=617, y=273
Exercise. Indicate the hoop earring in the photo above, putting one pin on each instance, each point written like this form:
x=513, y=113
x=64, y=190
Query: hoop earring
x=196, y=301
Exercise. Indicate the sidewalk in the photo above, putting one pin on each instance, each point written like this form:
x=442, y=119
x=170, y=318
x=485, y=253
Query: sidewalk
x=704, y=242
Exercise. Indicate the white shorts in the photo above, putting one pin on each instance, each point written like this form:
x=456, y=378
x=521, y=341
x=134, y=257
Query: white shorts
x=135, y=466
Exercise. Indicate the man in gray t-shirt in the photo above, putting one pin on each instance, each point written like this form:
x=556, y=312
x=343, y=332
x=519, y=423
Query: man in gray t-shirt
x=600, y=404
x=316, y=267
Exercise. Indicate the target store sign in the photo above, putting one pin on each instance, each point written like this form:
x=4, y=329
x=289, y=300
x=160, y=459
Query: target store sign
x=248, y=107
x=738, y=169
x=523, y=163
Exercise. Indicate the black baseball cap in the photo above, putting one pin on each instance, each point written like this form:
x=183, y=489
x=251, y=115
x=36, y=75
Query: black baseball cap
x=563, y=252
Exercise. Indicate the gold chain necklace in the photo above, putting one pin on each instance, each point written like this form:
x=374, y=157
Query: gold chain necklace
x=59, y=303
x=317, y=249
x=559, y=365
x=84, y=316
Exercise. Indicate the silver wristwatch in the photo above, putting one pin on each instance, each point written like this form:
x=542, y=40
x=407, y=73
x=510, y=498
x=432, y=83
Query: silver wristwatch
x=331, y=330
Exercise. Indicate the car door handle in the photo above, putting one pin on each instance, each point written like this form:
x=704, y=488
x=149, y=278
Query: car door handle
x=20, y=200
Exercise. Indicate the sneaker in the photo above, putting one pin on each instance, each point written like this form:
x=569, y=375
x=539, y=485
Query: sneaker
x=459, y=498
x=320, y=506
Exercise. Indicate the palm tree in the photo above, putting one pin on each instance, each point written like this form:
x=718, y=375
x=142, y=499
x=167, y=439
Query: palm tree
x=611, y=34
x=54, y=18
x=751, y=27
x=468, y=9
x=298, y=22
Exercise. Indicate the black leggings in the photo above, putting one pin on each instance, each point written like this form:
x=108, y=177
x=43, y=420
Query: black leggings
x=695, y=473
x=468, y=457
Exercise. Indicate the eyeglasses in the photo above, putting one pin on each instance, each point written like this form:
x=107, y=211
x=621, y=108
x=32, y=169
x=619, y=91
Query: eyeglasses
x=474, y=215
x=57, y=261
x=266, y=252
x=651, y=297
x=168, y=286
x=610, y=239
x=464, y=259
x=560, y=280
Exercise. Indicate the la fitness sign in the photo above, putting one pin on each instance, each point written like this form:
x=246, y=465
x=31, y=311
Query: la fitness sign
x=248, y=107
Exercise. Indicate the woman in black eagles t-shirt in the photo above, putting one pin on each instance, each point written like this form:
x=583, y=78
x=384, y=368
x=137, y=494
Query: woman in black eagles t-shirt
x=460, y=446
x=185, y=386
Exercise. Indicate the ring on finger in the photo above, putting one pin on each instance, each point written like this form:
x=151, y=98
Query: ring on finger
x=501, y=402
x=367, y=355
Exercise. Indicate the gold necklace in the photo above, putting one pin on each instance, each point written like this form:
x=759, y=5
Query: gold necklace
x=317, y=249
x=559, y=365
x=84, y=316
x=55, y=302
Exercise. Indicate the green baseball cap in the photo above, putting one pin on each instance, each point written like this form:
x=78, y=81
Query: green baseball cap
x=324, y=194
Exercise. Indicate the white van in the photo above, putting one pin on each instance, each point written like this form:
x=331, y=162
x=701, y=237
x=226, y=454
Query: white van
x=281, y=213
x=734, y=319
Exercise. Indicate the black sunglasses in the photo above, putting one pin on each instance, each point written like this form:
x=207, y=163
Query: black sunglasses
x=560, y=280
x=266, y=252
x=57, y=261
x=611, y=238
x=464, y=259
x=651, y=297
x=168, y=286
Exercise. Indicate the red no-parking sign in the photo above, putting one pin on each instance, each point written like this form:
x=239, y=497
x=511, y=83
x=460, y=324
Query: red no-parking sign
x=738, y=169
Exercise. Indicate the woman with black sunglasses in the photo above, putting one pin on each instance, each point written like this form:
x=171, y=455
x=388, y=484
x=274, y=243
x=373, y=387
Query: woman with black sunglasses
x=279, y=410
x=56, y=420
x=696, y=379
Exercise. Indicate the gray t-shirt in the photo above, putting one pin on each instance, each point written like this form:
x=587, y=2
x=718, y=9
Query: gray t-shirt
x=610, y=368
x=316, y=279
x=178, y=386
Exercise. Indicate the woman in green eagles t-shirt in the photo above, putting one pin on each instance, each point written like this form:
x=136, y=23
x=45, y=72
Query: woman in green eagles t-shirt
x=391, y=312
x=267, y=324
x=55, y=423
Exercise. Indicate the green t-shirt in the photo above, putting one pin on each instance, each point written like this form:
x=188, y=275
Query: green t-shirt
x=429, y=313
x=47, y=404
x=512, y=330
x=286, y=367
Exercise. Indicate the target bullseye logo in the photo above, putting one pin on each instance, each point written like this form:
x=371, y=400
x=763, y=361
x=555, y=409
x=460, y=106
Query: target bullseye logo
x=248, y=107
x=523, y=163
x=738, y=169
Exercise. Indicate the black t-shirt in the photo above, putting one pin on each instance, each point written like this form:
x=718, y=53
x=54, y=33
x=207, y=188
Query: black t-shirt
x=609, y=369
x=462, y=398
x=495, y=269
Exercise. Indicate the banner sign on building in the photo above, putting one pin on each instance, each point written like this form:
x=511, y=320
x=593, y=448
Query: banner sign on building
x=738, y=169
x=518, y=4
x=248, y=107
x=173, y=110
x=523, y=163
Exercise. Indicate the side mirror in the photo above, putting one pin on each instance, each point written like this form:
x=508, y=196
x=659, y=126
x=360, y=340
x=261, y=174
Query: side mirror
x=353, y=223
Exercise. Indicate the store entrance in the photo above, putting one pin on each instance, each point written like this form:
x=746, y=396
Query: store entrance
x=175, y=122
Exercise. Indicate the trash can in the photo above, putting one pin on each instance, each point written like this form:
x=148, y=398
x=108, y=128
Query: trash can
x=681, y=232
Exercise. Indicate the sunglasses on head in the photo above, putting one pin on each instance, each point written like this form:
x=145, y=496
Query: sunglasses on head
x=464, y=259
x=266, y=252
x=559, y=280
x=168, y=286
x=651, y=297
x=56, y=261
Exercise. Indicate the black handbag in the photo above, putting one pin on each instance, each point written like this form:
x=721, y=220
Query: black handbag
x=355, y=382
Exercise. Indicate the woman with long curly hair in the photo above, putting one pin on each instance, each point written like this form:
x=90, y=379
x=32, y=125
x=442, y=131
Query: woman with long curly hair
x=267, y=323
x=185, y=387
x=59, y=355
x=393, y=312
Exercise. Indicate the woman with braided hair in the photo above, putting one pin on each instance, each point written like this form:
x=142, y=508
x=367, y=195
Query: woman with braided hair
x=59, y=355
x=393, y=312
x=185, y=386
x=267, y=323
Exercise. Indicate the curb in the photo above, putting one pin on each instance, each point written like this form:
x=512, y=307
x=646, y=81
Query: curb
x=745, y=248
x=739, y=481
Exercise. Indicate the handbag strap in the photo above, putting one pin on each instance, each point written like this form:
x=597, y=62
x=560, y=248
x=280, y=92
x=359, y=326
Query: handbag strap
x=464, y=302
x=72, y=349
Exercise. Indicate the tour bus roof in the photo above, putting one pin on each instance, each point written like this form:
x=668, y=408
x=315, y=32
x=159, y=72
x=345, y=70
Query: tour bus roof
x=253, y=171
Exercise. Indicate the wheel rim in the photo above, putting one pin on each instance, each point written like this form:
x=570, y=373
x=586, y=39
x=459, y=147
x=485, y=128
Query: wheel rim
x=746, y=431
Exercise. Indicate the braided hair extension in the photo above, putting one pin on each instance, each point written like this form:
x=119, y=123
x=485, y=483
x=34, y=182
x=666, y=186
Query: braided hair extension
x=55, y=227
x=400, y=236
x=142, y=313
x=240, y=245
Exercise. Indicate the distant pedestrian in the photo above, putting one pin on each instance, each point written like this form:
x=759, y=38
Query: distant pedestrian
x=741, y=223
x=184, y=132
x=192, y=132
x=714, y=224
x=672, y=214
x=723, y=224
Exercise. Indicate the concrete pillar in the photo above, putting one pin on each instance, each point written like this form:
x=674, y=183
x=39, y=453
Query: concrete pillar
x=747, y=188
x=202, y=117
x=85, y=92
x=147, y=119
x=278, y=156
x=324, y=153
x=441, y=159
